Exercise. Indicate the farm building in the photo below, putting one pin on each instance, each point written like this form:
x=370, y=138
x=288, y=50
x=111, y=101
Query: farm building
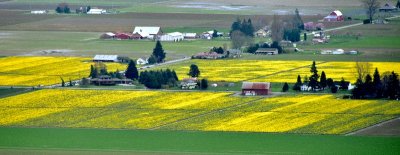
x=108, y=35
x=256, y=88
x=108, y=80
x=189, y=83
x=96, y=11
x=123, y=36
x=105, y=58
x=387, y=8
x=39, y=12
x=142, y=61
x=267, y=51
x=234, y=53
x=174, y=36
x=136, y=36
x=208, y=55
x=148, y=32
x=334, y=16
x=261, y=33
x=190, y=35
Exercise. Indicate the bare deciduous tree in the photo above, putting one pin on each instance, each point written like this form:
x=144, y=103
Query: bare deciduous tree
x=277, y=29
x=362, y=69
x=370, y=7
x=238, y=39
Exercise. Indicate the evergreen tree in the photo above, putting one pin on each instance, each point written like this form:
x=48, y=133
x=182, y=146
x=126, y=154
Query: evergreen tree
x=343, y=84
x=204, y=84
x=158, y=52
x=305, y=36
x=62, y=82
x=314, y=77
x=88, y=8
x=297, y=85
x=119, y=75
x=174, y=75
x=398, y=4
x=194, y=71
x=369, y=86
x=285, y=87
x=152, y=59
x=70, y=82
x=236, y=25
x=330, y=83
x=59, y=10
x=93, y=72
x=215, y=34
x=131, y=71
x=275, y=44
x=393, y=89
x=297, y=21
x=377, y=83
x=323, y=80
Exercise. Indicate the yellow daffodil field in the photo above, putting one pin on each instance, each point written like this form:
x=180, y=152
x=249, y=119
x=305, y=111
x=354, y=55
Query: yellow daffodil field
x=205, y=111
x=274, y=71
x=34, y=71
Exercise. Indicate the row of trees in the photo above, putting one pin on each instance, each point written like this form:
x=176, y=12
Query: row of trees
x=158, y=79
x=377, y=87
x=63, y=8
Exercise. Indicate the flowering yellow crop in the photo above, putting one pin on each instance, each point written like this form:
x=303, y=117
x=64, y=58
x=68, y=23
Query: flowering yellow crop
x=33, y=71
x=235, y=70
x=334, y=70
x=322, y=114
x=274, y=71
x=107, y=108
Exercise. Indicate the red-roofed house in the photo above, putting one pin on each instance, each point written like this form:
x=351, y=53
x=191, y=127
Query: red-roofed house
x=123, y=36
x=256, y=88
x=334, y=16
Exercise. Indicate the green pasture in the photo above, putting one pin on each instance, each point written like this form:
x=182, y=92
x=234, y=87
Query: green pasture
x=91, y=2
x=84, y=141
x=88, y=44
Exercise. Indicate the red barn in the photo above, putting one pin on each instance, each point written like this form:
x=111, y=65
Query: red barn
x=123, y=36
x=256, y=88
x=334, y=16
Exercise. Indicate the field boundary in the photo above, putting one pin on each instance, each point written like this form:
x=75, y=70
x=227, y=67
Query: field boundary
x=373, y=126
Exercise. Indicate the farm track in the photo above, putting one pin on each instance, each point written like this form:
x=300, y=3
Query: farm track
x=207, y=113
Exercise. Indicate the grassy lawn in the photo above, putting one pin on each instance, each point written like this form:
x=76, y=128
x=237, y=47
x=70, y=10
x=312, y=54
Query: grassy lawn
x=83, y=141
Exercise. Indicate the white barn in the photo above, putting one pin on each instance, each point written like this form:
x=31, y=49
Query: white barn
x=174, y=36
x=148, y=32
x=96, y=11
x=105, y=58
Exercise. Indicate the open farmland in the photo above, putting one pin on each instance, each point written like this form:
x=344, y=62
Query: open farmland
x=33, y=71
x=273, y=71
x=206, y=111
x=321, y=114
x=120, y=109
x=334, y=70
x=87, y=44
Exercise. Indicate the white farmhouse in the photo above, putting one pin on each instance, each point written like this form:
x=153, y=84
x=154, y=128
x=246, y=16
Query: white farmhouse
x=39, y=12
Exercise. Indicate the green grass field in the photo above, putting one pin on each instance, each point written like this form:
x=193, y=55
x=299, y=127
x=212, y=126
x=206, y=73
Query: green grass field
x=84, y=141
x=88, y=44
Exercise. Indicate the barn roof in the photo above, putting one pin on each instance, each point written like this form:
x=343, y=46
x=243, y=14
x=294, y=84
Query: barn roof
x=338, y=13
x=145, y=31
x=256, y=85
x=105, y=57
